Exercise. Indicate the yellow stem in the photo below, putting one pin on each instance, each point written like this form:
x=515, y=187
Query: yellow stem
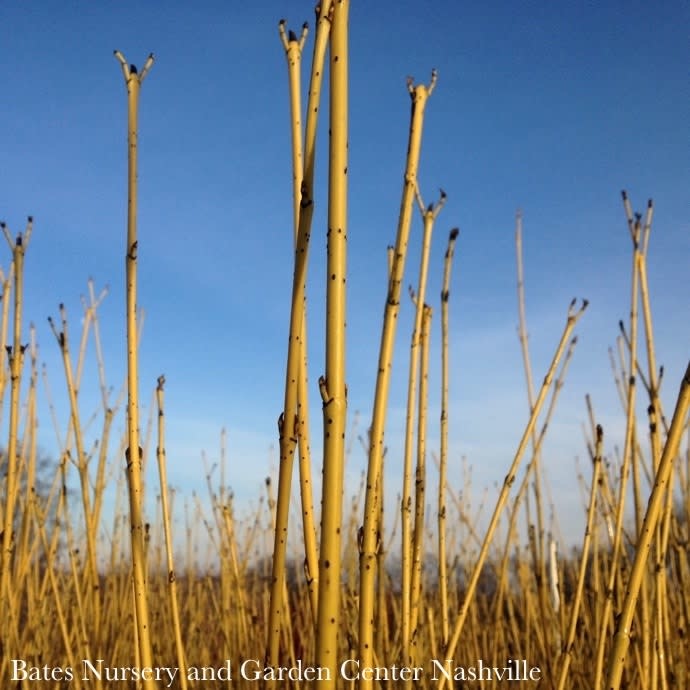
x=133, y=453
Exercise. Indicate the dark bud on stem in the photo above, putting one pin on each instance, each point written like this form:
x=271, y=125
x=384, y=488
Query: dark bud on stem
x=127, y=455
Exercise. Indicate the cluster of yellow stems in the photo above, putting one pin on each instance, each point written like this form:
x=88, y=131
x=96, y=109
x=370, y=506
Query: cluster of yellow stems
x=577, y=618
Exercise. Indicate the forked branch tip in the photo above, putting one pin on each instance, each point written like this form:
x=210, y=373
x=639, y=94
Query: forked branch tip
x=434, y=79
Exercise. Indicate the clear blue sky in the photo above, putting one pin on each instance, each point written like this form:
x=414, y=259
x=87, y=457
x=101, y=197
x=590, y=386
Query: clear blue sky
x=549, y=107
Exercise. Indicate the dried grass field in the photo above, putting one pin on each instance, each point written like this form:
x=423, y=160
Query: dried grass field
x=450, y=590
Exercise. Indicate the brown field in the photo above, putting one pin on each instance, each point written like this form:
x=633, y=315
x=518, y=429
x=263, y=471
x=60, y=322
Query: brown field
x=457, y=591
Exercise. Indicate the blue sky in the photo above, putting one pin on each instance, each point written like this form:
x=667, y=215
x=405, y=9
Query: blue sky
x=551, y=108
